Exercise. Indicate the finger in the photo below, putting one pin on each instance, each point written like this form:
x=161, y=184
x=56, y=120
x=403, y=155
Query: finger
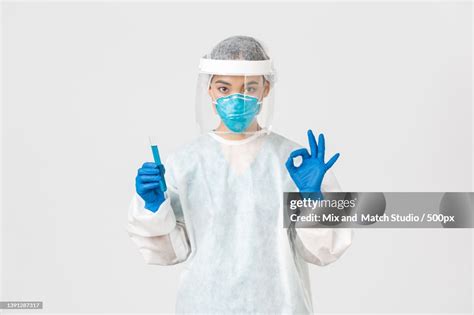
x=149, y=171
x=150, y=179
x=300, y=152
x=321, y=147
x=289, y=164
x=149, y=165
x=332, y=161
x=150, y=186
x=312, y=144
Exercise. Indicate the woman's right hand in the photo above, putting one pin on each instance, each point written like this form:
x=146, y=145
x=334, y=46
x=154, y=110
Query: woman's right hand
x=147, y=185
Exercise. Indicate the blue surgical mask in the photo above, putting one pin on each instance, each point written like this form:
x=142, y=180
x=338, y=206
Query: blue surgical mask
x=237, y=111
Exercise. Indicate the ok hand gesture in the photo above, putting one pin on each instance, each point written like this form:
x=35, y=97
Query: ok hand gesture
x=308, y=176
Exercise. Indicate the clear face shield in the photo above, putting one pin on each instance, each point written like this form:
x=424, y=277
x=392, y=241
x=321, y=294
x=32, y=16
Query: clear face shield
x=235, y=96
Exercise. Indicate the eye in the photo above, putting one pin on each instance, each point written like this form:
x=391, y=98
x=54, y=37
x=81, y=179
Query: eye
x=223, y=89
x=250, y=89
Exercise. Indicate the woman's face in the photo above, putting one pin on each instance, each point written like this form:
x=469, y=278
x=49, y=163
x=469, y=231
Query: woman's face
x=222, y=85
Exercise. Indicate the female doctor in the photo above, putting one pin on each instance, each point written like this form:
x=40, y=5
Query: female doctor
x=222, y=215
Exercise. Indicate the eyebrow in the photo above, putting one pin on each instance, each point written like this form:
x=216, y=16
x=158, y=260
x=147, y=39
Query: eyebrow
x=252, y=82
x=223, y=82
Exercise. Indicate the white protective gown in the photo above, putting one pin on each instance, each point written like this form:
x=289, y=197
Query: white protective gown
x=223, y=217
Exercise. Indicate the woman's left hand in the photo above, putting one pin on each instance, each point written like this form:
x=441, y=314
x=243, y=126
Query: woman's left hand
x=308, y=176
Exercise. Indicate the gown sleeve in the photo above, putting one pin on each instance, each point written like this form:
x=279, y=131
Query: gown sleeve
x=322, y=246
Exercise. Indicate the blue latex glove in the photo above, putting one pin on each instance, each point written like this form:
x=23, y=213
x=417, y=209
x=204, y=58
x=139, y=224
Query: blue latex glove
x=147, y=184
x=308, y=176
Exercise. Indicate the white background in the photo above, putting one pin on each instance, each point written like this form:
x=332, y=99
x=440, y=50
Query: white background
x=84, y=85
